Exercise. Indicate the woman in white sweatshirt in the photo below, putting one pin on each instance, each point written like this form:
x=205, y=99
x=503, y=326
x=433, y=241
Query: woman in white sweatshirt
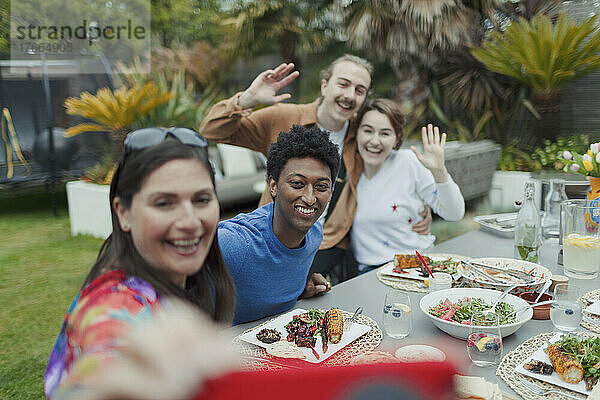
x=395, y=184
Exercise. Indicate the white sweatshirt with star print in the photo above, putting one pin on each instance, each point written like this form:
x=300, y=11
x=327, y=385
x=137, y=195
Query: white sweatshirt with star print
x=391, y=202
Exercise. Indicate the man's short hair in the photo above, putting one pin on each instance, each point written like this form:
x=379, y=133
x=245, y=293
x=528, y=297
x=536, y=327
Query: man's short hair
x=326, y=73
x=301, y=142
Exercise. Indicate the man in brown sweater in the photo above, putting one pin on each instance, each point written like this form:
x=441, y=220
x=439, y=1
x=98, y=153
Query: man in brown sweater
x=344, y=87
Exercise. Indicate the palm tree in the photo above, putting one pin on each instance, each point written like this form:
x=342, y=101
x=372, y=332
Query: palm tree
x=289, y=27
x=413, y=36
x=544, y=57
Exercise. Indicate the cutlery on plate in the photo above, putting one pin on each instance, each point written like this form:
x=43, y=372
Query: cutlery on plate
x=533, y=388
x=481, y=272
x=524, y=276
x=546, y=286
x=348, y=323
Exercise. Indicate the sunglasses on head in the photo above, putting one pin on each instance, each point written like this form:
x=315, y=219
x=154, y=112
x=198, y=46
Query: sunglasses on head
x=146, y=137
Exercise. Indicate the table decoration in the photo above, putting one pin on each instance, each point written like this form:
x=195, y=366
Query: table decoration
x=590, y=321
x=365, y=343
x=507, y=369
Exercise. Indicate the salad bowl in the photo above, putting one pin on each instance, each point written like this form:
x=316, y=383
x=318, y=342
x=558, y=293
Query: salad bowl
x=489, y=296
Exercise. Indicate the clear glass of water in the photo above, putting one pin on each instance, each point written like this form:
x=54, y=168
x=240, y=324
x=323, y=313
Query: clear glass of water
x=566, y=313
x=440, y=281
x=397, y=314
x=484, y=343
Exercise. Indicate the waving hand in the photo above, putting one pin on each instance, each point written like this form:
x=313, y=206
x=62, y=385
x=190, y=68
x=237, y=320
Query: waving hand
x=433, y=152
x=264, y=88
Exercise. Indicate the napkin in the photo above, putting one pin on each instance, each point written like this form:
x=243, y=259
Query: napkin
x=594, y=308
x=475, y=387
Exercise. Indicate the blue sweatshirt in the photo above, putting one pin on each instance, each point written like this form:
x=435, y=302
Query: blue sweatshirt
x=268, y=276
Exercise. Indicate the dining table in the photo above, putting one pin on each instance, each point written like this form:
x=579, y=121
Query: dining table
x=368, y=292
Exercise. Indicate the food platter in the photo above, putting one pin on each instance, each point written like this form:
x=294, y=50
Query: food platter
x=278, y=323
x=554, y=378
x=539, y=274
x=415, y=273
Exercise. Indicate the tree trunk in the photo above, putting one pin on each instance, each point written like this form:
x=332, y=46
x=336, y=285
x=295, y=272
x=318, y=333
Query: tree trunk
x=548, y=106
x=117, y=139
x=412, y=88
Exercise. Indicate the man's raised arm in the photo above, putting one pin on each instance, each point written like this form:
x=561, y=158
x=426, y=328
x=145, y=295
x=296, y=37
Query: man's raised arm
x=232, y=120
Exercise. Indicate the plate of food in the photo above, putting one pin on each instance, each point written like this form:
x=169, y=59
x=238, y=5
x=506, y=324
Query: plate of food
x=569, y=361
x=500, y=273
x=408, y=266
x=300, y=334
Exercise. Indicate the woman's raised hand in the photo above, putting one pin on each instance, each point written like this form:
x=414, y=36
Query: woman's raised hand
x=433, y=152
x=264, y=88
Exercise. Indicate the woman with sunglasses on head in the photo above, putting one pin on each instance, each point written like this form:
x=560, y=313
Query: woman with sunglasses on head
x=163, y=251
x=395, y=183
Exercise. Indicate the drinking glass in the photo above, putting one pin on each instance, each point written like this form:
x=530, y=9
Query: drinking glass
x=581, y=239
x=566, y=313
x=484, y=343
x=439, y=281
x=397, y=315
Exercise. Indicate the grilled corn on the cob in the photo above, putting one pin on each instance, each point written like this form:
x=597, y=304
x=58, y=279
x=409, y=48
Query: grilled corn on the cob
x=567, y=367
x=335, y=325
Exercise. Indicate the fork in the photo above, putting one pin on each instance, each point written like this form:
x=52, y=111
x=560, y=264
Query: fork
x=348, y=323
x=535, y=389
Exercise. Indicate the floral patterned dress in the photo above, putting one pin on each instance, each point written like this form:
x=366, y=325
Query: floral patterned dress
x=98, y=318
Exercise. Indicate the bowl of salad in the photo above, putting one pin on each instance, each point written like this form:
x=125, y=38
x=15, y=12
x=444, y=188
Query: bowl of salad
x=451, y=309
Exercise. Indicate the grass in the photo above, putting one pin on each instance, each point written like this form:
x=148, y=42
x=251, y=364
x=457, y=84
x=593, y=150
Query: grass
x=42, y=267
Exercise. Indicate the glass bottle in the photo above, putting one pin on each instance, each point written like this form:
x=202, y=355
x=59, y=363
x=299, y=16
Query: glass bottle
x=551, y=218
x=528, y=232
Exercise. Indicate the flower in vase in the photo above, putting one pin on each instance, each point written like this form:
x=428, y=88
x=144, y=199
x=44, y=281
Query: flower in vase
x=587, y=164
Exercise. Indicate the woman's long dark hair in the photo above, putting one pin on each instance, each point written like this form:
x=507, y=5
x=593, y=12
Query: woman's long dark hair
x=211, y=288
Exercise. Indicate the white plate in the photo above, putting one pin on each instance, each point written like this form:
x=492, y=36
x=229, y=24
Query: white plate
x=356, y=331
x=594, y=308
x=415, y=273
x=554, y=379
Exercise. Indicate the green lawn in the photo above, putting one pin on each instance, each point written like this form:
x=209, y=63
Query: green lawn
x=41, y=268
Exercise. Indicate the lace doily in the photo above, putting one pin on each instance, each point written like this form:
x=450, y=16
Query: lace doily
x=507, y=368
x=363, y=344
x=586, y=300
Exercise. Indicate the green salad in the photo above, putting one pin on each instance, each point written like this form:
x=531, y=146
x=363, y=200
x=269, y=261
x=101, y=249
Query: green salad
x=465, y=308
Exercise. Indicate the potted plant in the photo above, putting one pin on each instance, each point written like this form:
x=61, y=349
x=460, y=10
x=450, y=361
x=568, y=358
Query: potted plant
x=518, y=162
x=117, y=113
x=544, y=57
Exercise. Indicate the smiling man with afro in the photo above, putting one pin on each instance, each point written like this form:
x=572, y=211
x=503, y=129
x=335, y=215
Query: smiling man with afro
x=270, y=250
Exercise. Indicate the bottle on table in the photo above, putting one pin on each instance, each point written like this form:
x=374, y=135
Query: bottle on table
x=551, y=219
x=528, y=232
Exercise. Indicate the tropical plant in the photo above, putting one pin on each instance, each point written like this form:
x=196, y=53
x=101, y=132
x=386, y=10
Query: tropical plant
x=544, y=57
x=184, y=108
x=290, y=27
x=115, y=112
x=413, y=36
